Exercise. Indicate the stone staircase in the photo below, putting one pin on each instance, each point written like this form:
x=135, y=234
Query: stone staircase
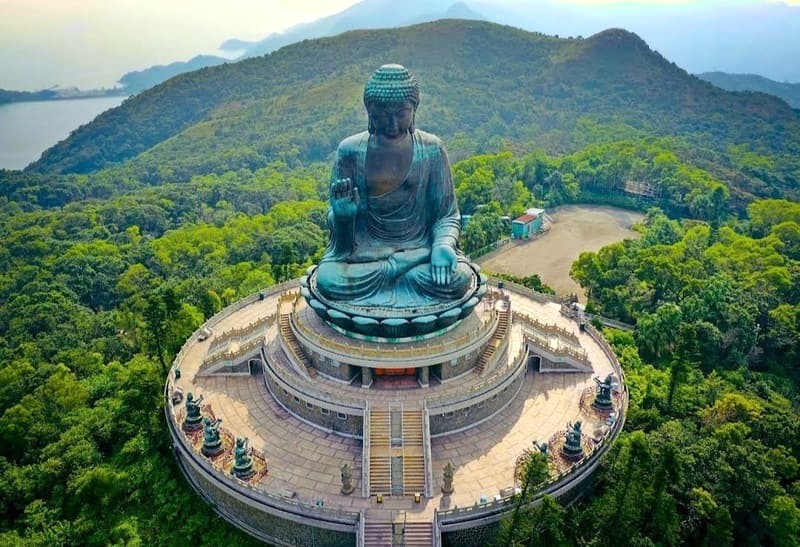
x=396, y=452
x=291, y=342
x=418, y=534
x=413, y=453
x=499, y=333
x=378, y=534
x=380, y=452
x=388, y=534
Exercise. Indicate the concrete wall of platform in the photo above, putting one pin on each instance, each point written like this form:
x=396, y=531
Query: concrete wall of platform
x=456, y=367
x=472, y=537
x=243, y=513
x=475, y=410
x=332, y=367
x=340, y=421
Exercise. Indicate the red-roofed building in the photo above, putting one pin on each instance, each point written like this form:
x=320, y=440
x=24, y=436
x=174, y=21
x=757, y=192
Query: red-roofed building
x=528, y=225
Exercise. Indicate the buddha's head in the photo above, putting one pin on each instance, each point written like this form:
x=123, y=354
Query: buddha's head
x=391, y=97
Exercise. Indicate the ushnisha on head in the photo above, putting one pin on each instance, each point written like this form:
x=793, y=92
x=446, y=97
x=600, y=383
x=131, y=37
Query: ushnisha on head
x=388, y=91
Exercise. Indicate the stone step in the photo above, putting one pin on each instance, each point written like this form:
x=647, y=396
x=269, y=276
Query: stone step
x=380, y=466
x=378, y=534
x=413, y=535
x=413, y=453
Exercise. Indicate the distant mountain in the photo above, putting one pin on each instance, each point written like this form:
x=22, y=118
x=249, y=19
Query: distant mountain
x=234, y=44
x=56, y=94
x=365, y=15
x=484, y=87
x=136, y=81
x=752, y=82
x=8, y=96
x=745, y=37
x=748, y=36
x=457, y=11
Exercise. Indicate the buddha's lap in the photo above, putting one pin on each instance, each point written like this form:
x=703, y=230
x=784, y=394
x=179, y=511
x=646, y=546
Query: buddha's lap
x=345, y=280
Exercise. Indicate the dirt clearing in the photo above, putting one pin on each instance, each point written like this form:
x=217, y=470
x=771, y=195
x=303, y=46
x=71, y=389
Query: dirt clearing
x=575, y=229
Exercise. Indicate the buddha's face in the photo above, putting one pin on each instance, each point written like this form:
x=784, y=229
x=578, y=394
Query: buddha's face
x=391, y=120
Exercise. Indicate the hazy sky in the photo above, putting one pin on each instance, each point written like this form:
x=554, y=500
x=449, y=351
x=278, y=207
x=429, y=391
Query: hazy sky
x=91, y=43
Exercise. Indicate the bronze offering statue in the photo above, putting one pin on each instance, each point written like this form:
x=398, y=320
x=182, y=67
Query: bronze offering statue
x=573, y=447
x=242, y=461
x=194, y=420
x=212, y=443
x=602, y=399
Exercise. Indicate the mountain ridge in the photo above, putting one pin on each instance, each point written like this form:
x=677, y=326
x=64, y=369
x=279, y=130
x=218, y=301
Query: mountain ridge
x=484, y=85
x=789, y=92
x=139, y=80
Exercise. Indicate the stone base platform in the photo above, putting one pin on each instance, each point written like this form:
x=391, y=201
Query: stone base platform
x=307, y=423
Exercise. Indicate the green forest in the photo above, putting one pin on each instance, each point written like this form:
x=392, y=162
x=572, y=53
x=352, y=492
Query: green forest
x=124, y=238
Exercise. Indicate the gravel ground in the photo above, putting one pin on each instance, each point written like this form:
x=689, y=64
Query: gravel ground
x=575, y=229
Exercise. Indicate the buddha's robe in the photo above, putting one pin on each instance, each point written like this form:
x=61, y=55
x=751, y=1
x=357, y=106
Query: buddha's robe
x=385, y=260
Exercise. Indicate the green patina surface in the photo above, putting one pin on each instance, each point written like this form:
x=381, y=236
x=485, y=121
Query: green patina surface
x=394, y=225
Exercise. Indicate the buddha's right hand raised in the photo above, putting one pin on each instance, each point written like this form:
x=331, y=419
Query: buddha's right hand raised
x=344, y=198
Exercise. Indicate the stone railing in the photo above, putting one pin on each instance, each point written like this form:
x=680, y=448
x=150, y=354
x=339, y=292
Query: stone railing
x=286, y=345
x=553, y=330
x=238, y=333
x=298, y=386
x=365, y=449
x=500, y=349
x=608, y=322
x=360, y=540
x=226, y=312
x=230, y=357
x=426, y=441
x=251, y=299
x=394, y=352
x=568, y=311
x=323, y=517
x=564, y=352
x=437, y=530
x=540, y=297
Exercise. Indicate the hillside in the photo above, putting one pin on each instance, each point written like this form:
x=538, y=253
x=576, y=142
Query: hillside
x=752, y=82
x=484, y=87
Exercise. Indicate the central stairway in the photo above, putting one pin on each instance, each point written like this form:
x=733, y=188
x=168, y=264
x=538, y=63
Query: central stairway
x=388, y=534
x=396, y=452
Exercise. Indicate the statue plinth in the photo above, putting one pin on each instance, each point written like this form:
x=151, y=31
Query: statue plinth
x=212, y=449
x=244, y=472
x=572, y=453
x=192, y=423
x=393, y=324
x=603, y=405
